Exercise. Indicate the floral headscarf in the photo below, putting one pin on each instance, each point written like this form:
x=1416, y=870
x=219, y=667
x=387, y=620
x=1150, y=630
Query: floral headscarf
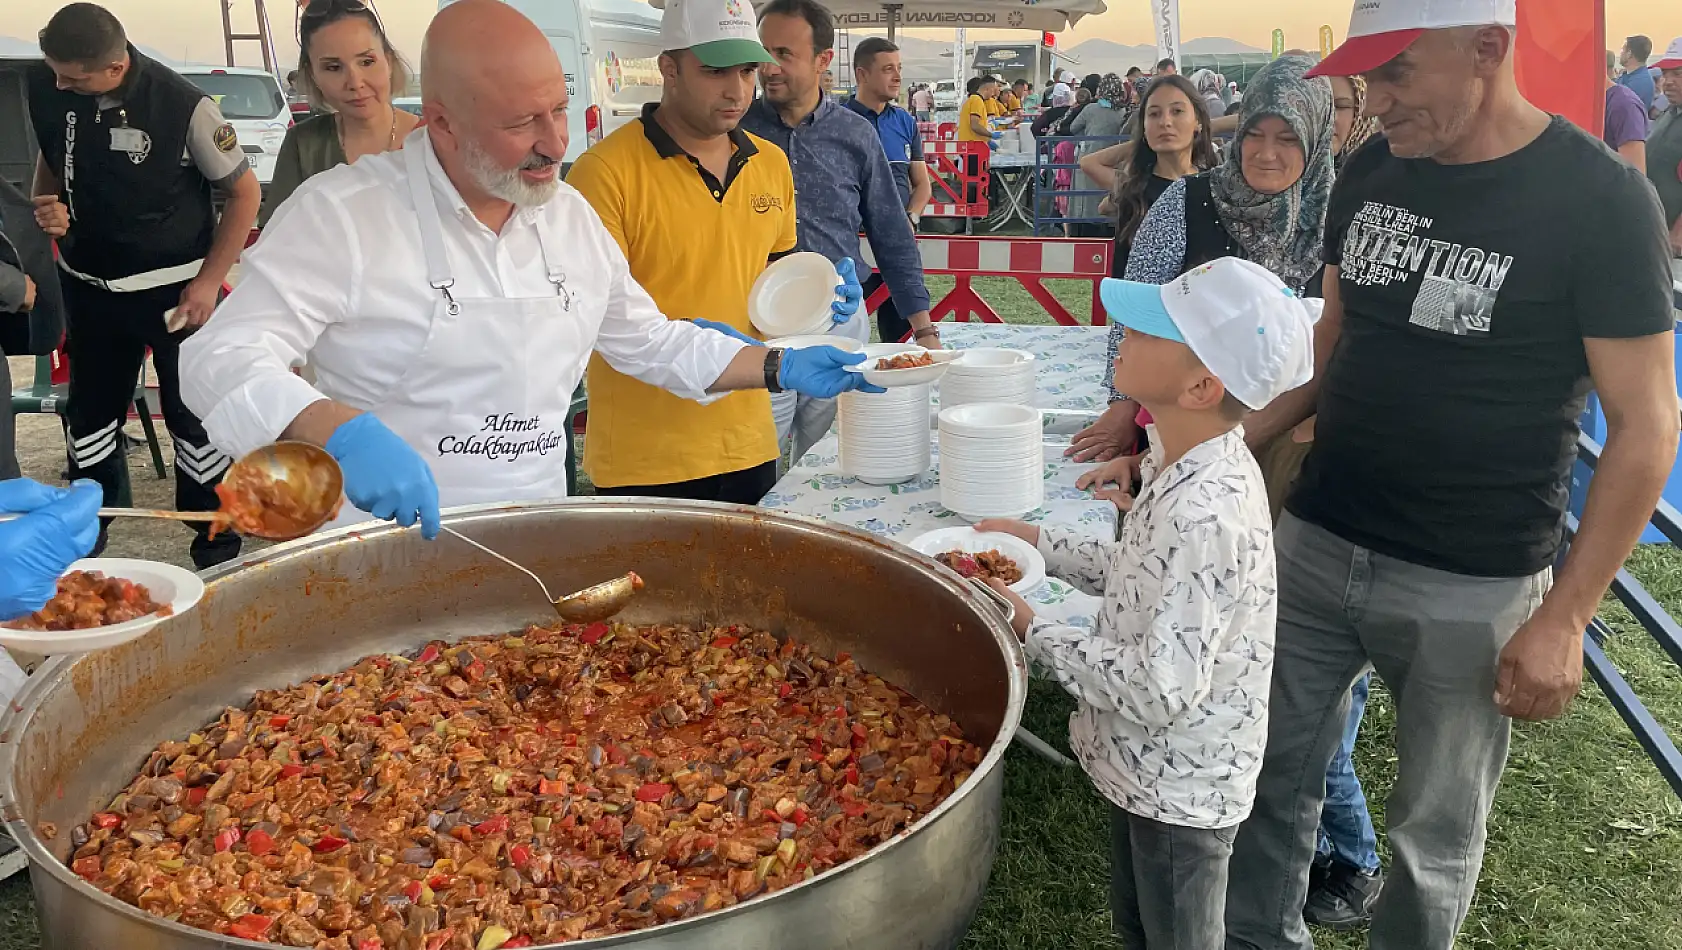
x=1365, y=126
x=1113, y=91
x=1281, y=232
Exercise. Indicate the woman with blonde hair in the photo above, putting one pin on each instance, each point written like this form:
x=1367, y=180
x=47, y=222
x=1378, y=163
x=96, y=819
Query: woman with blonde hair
x=350, y=73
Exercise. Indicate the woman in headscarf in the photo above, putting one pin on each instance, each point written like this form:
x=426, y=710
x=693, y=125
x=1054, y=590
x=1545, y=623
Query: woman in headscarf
x=1209, y=87
x=1266, y=203
x=1062, y=97
x=1107, y=117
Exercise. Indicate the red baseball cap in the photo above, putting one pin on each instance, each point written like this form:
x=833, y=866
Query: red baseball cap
x=1379, y=30
x=1672, y=56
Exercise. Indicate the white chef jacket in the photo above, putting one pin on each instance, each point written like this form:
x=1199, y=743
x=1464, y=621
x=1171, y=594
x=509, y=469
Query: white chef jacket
x=338, y=279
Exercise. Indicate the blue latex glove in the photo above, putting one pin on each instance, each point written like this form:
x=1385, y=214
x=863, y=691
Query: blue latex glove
x=60, y=526
x=727, y=330
x=851, y=291
x=821, y=371
x=993, y=143
x=384, y=476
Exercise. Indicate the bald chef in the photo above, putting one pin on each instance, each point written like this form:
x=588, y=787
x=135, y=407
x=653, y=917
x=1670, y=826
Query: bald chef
x=448, y=296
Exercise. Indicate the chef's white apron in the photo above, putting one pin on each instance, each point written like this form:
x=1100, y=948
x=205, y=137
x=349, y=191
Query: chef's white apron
x=487, y=398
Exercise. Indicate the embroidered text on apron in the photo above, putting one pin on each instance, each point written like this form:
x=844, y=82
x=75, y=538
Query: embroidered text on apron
x=486, y=402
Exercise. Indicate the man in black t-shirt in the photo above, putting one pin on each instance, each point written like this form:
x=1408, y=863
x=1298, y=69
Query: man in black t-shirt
x=1487, y=265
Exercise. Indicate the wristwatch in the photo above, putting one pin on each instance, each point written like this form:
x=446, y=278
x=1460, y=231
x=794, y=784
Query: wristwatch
x=774, y=369
x=928, y=331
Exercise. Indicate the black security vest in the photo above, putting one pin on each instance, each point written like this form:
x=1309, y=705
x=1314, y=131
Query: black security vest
x=130, y=211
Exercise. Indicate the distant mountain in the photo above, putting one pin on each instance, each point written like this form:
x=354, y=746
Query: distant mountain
x=1205, y=45
x=1102, y=56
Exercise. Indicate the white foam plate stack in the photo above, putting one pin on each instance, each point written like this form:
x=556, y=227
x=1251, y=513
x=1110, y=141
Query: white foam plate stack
x=989, y=375
x=885, y=436
x=991, y=460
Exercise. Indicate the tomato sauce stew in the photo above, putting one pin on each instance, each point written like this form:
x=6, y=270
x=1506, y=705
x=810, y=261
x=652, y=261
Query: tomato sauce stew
x=88, y=599
x=564, y=783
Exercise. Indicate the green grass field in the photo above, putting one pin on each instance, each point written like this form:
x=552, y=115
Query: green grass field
x=1585, y=848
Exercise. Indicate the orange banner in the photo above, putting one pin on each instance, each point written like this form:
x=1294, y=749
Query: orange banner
x=1561, y=58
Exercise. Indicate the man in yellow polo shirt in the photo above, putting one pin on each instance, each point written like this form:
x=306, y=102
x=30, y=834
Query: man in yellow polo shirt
x=699, y=207
x=972, y=121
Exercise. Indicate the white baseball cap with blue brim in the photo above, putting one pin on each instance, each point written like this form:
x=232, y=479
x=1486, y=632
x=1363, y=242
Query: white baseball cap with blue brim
x=721, y=33
x=1253, y=332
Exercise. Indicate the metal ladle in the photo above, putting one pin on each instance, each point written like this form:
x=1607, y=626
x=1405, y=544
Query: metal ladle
x=314, y=476
x=593, y=603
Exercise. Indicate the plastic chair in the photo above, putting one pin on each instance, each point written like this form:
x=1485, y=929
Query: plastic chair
x=580, y=404
x=44, y=394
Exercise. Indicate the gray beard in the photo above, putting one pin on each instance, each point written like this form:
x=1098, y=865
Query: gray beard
x=504, y=183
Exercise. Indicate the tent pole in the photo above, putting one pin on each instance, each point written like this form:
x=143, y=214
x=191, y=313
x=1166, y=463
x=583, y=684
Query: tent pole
x=893, y=18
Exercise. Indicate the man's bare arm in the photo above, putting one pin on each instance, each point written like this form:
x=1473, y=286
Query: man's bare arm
x=922, y=189
x=1635, y=153
x=1284, y=413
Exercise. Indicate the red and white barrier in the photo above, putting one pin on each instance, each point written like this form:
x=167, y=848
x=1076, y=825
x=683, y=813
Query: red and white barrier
x=1028, y=261
x=958, y=173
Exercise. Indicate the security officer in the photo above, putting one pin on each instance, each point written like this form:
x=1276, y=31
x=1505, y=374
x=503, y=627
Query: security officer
x=129, y=154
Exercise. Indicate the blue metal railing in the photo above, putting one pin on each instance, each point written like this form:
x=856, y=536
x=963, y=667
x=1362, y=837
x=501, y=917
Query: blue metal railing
x=1658, y=623
x=1046, y=192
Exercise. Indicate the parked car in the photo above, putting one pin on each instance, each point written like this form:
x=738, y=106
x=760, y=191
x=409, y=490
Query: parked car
x=946, y=95
x=252, y=101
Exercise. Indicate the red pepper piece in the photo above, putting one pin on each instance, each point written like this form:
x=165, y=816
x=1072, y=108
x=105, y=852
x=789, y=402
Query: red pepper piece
x=852, y=775
x=440, y=938
x=107, y=819
x=429, y=654
x=859, y=731
x=251, y=927
x=195, y=796
x=412, y=891
x=287, y=771
x=653, y=792
x=327, y=844
x=226, y=838
x=594, y=632
x=517, y=942
x=784, y=690
x=87, y=867
x=439, y=882
x=259, y=842
x=371, y=720
x=375, y=943
x=725, y=643
x=551, y=787
x=800, y=816
x=494, y=825
x=817, y=748
x=854, y=809
x=474, y=671
x=616, y=755
x=279, y=722
x=519, y=856
x=842, y=657
x=771, y=816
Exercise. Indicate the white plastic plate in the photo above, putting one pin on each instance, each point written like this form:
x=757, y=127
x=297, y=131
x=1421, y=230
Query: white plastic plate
x=174, y=587
x=971, y=541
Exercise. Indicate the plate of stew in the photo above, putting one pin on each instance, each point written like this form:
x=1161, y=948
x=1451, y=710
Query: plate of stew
x=985, y=554
x=103, y=602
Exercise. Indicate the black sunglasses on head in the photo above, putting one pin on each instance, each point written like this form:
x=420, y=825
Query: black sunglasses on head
x=332, y=9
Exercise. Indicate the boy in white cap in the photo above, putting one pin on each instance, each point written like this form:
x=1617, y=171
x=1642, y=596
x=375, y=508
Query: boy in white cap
x=1173, y=684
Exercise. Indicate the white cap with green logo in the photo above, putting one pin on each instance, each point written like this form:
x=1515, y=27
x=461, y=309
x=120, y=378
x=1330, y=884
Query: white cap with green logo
x=721, y=33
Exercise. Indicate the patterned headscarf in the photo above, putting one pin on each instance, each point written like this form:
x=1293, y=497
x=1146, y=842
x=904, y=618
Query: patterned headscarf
x=1281, y=232
x=1365, y=127
x=1112, y=90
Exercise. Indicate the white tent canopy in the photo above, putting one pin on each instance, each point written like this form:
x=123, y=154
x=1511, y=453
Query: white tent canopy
x=1039, y=15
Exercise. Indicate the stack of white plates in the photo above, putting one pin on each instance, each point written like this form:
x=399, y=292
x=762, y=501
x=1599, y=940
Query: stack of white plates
x=991, y=460
x=885, y=436
x=989, y=375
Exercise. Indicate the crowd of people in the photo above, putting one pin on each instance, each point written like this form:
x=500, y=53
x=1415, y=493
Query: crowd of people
x=1374, y=261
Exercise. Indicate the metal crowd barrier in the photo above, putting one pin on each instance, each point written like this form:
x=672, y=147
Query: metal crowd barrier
x=1652, y=616
x=1046, y=192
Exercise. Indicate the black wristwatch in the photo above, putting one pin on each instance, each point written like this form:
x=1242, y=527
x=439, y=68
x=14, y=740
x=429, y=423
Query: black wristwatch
x=774, y=369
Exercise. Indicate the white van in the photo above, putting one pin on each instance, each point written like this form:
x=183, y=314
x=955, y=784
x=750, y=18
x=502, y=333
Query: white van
x=252, y=102
x=609, y=49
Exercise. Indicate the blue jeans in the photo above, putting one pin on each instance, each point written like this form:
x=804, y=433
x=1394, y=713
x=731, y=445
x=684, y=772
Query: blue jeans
x=1346, y=832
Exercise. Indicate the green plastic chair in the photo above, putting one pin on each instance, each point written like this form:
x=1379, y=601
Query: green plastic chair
x=42, y=396
x=580, y=404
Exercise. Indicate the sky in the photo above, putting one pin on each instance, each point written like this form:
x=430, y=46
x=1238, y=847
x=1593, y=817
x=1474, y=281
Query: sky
x=190, y=30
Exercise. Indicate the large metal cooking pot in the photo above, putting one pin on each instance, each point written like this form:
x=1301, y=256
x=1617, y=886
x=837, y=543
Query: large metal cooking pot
x=82, y=727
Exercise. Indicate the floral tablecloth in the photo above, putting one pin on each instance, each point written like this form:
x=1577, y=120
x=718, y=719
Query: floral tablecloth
x=1070, y=393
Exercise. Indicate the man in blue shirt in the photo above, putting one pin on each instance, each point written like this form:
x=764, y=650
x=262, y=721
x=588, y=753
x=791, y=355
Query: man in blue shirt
x=842, y=180
x=876, y=72
x=1637, y=78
